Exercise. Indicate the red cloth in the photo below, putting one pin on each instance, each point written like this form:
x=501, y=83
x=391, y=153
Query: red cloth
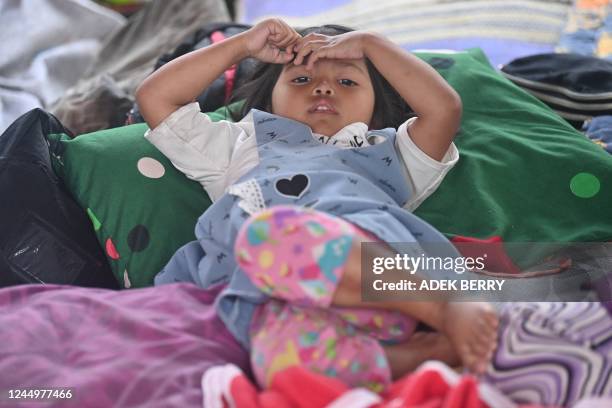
x=497, y=262
x=306, y=389
x=497, y=259
x=433, y=386
x=294, y=387
x=429, y=389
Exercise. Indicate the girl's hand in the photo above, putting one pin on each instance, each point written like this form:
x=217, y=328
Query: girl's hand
x=272, y=41
x=344, y=46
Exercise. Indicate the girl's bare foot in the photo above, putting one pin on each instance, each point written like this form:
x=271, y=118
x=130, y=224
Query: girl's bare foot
x=472, y=329
x=422, y=346
x=470, y=326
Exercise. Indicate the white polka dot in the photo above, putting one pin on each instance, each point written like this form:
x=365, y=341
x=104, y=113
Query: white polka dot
x=151, y=168
x=126, y=280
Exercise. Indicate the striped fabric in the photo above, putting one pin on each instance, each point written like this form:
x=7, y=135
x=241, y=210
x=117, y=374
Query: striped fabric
x=553, y=353
x=504, y=29
x=573, y=106
x=577, y=87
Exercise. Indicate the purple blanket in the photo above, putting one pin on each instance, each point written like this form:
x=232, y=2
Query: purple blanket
x=138, y=348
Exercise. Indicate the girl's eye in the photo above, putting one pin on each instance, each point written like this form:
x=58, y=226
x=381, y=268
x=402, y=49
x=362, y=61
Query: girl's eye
x=347, y=82
x=301, y=80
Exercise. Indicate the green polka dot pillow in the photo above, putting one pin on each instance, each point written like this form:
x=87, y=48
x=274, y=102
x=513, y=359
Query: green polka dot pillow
x=142, y=209
x=524, y=173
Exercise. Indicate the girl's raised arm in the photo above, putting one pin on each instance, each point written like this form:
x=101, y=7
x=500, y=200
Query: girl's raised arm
x=180, y=81
x=437, y=105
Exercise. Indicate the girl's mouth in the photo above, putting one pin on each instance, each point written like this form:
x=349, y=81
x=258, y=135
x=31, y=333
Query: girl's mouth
x=322, y=106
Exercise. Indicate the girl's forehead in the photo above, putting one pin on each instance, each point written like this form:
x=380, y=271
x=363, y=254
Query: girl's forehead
x=337, y=63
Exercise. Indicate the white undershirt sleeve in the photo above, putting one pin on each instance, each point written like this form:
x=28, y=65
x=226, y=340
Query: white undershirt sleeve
x=196, y=146
x=424, y=173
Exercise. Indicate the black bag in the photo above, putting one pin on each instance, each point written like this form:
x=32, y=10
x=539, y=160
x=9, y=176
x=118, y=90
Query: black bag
x=46, y=236
x=220, y=91
x=577, y=87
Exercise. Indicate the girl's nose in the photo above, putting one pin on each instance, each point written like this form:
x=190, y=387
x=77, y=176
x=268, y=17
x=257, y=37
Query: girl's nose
x=323, y=88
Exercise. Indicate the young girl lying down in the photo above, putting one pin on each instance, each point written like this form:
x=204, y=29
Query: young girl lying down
x=315, y=166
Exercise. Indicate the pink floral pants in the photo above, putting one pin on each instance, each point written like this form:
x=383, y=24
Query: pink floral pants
x=297, y=257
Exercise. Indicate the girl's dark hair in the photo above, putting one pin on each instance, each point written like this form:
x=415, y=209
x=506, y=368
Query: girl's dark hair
x=390, y=109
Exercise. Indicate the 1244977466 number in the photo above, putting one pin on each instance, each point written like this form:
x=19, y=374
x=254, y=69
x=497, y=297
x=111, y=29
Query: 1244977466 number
x=39, y=393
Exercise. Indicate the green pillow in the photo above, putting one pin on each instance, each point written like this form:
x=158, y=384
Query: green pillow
x=141, y=207
x=524, y=173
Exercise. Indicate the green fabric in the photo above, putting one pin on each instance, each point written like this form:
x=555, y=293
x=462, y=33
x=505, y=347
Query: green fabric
x=523, y=174
x=144, y=218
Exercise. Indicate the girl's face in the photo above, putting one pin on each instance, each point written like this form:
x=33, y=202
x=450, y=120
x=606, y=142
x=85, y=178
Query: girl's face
x=334, y=94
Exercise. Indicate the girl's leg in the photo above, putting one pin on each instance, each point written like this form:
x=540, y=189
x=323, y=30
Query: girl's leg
x=276, y=248
x=285, y=335
x=298, y=255
x=422, y=346
x=470, y=326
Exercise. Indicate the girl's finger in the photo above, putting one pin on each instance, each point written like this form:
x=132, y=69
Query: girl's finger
x=291, y=48
x=275, y=39
x=312, y=37
x=286, y=53
x=315, y=36
x=305, y=50
x=296, y=40
x=289, y=39
x=287, y=57
x=308, y=48
x=287, y=27
x=279, y=31
x=282, y=57
x=307, y=38
x=290, y=33
x=274, y=55
x=278, y=36
x=314, y=56
x=299, y=43
x=292, y=38
x=320, y=53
